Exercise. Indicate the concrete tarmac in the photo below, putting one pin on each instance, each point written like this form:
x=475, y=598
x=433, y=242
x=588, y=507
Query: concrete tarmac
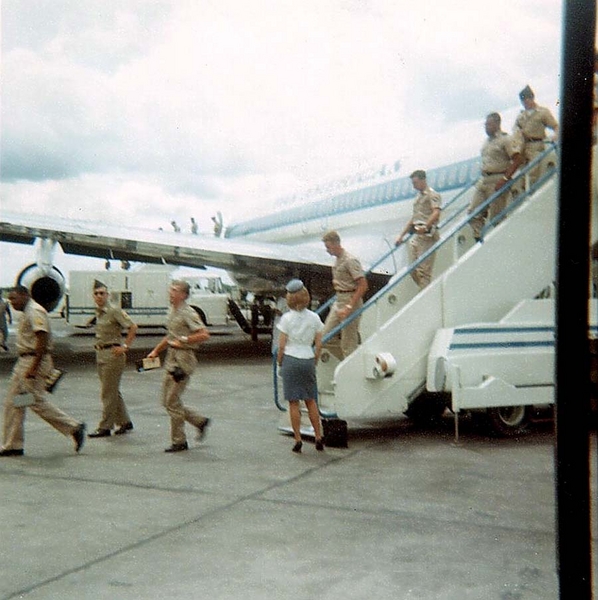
x=402, y=513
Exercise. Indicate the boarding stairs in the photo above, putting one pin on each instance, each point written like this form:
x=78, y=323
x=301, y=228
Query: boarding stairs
x=473, y=282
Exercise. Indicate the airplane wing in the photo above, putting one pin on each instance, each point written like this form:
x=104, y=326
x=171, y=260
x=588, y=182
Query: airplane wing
x=259, y=267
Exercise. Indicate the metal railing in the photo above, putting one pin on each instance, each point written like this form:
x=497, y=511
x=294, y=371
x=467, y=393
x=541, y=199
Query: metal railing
x=522, y=175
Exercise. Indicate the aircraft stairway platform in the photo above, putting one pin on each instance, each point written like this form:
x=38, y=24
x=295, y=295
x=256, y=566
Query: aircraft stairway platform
x=473, y=282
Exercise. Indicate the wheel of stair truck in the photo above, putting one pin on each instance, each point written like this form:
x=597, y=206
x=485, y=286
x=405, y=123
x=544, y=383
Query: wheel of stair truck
x=508, y=421
x=427, y=408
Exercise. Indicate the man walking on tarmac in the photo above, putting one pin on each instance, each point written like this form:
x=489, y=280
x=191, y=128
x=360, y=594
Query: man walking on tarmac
x=34, y=343
x=185, y=333
x=111, y=359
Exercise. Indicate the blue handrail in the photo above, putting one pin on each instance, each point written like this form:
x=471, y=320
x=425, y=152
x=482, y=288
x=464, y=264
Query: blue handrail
x=379, y=261
x=406, y=271
x=481, y=208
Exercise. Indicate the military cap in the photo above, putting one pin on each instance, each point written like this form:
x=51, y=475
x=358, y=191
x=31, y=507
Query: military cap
x=526, y=92
x=98, y=284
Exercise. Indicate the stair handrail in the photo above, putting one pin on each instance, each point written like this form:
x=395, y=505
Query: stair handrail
x=479, y=209
x=401, y=275
x=395, y=247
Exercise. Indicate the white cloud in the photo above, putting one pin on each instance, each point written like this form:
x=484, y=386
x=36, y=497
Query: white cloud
x=152, y=111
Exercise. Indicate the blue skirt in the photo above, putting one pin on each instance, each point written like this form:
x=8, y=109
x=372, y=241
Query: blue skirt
x=299, y=378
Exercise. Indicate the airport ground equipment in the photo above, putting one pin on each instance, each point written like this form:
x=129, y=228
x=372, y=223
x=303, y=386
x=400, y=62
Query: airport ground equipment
x=473, y=283
x=143, y=293
x=503, y=369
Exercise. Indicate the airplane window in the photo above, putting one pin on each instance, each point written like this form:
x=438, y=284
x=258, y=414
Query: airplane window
x=364, y=196
x=388, y=191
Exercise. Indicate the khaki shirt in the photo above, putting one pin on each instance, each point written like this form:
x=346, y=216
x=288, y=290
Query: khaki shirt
x=424, y=205
x=497, y=153
x=182, y=321
x=532, y=123
x=110, y=321
x=33, y=319
x=345, y=272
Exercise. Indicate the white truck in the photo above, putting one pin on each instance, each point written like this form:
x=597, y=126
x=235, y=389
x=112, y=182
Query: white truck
x=143, y=293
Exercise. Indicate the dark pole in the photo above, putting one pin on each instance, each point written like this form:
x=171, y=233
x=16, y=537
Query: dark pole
x=572, y=366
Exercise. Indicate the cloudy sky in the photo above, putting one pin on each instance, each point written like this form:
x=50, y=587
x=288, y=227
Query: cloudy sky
x=144, y=111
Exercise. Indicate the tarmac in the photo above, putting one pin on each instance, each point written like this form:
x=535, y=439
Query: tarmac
x=402, y=513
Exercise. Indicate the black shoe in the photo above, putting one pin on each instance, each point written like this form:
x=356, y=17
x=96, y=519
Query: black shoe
x=177, y=447
x=79, y=436
x=201, y=430
x=297, y=447
x=12, y=452
x=123, y=428
x=320, y=445
x=100, y=433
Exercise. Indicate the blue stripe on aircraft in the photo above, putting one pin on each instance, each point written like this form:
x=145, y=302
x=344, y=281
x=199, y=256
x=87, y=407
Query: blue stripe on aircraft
x=442, y=179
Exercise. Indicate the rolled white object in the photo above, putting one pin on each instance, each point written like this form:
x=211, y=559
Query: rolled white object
x=385, y=365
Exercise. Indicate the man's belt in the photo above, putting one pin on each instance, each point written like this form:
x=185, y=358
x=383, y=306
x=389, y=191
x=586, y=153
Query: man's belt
x=488, y=173
x=344, y=291
x=530, y=139
x=105, y=346
x=29, y=354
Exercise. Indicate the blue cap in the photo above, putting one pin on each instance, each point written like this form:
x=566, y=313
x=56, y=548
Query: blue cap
x=294, y=286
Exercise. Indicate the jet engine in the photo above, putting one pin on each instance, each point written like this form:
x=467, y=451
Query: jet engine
x=46, y=285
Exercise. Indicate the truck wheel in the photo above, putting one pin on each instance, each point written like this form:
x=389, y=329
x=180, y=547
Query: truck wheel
x=508, y=421
x=201, y=313
x=427, y=409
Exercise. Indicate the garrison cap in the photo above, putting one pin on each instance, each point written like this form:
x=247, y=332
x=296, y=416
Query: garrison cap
x=294, y=285
x=526, y=92
x=98, y=284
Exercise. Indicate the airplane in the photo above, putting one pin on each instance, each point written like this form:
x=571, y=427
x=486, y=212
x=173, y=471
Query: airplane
x=261, y=254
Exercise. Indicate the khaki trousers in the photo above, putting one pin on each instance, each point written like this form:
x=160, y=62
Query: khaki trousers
x=349, y=335
x=110, y=370
x=179, y=413
x=14, y=416
x=418, y=244
x=531, y=150
x=484, y=188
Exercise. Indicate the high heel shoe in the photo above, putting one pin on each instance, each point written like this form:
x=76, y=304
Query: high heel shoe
x=297, y=447
x=320, y=445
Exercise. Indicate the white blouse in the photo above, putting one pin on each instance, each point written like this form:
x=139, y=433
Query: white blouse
x=300, y=328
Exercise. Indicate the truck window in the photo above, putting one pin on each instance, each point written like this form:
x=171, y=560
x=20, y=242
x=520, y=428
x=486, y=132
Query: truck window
x=126, y=300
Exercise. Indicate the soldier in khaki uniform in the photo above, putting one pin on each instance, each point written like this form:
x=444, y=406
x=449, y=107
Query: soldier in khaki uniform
x=111, y=360
x=185, y=333
x=530, y=127
x=34, y=343
x=501, y=157
x=423, y=223
x=350, y=284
